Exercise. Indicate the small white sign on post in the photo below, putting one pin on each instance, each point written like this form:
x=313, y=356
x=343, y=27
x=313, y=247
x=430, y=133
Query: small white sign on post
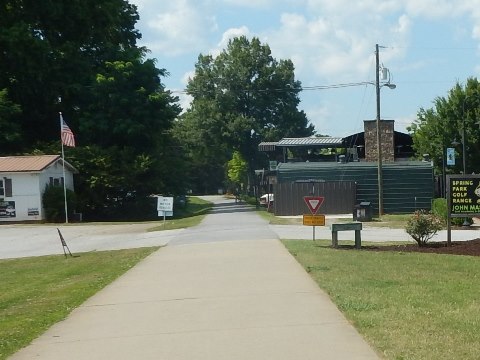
x=164, y=207
x=165, y=213
x=165, y=203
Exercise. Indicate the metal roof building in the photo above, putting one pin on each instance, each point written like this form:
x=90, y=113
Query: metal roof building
x=23, y=180
x=30, y=163
x=311, y=141
x=407, y=185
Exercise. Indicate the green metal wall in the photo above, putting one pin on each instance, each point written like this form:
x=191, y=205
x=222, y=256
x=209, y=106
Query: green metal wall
x=339, y=197
x=407, y=186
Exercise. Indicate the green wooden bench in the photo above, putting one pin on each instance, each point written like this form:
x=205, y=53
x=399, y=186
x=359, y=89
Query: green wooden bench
x=354, y=226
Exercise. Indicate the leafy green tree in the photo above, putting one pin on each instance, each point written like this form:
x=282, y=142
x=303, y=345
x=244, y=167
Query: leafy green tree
x=248, y=97
x=9, y=127
x=54, y=203
x=237, y=169
x=204, y=145
x=436, y=128
x=54, y=48
x=126, y=121
x=112, y=97
x=127, y=106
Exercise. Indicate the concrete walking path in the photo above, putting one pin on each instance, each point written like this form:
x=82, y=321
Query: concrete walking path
x=215, y=292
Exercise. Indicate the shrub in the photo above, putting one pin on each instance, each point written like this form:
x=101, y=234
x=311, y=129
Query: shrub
x=439, y=208
x=249, y=199
x=422, y=226
x=54, y=203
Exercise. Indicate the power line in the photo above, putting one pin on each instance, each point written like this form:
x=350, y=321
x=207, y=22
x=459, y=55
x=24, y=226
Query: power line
x=287, y=89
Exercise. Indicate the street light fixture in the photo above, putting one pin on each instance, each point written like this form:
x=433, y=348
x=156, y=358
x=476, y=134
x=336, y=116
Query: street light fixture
x=379, y=138
x=455, y=142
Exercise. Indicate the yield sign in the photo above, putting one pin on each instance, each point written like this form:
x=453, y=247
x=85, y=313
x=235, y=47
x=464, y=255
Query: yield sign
x=313, y=203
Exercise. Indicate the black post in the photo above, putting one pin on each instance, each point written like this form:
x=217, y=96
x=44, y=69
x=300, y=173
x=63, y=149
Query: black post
x=463, y=148
x=444, y=175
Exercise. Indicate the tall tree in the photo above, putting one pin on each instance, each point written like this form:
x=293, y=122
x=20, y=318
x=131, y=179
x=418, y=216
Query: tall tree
x=126, y=118
x=204, y=145
x=249, y=96
x=437, y=128
x=85, y=52
x=9, y=127
x=237, y=170
x=127, y=105
x=54, y=48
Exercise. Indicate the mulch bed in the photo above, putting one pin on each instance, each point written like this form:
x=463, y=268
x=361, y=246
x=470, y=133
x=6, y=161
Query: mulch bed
x=470, y=248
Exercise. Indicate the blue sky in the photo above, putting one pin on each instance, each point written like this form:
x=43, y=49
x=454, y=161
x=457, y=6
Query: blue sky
x=430, y=45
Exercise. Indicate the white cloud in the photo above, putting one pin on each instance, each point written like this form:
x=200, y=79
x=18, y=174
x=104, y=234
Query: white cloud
x=143, y=4
x=187, y=77
x=176, y=28
x=328, y=37
x=402, y=123
x=233, y=33
x=353, y=9
x=319, y=116
x=250, y=3
x=185, y=101
x=403, y=26
x=335, y=40
x=433, y=9
x=322, y=46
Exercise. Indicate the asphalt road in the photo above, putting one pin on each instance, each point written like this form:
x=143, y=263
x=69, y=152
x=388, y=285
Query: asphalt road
x=36, y=240
x=225, y=227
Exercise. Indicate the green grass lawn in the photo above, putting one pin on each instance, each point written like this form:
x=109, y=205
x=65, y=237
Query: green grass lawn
x=390, y=221
x=407, y=305
x=193, y=213
x=38, y=292
x=396, y=221
x=276, y=220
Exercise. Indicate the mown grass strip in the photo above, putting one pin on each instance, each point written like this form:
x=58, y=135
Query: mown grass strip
x=276, y=220
x=390, y=221
x=38, y=292
x=407, y=305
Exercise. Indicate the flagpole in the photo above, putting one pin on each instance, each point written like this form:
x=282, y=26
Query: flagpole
x=64, y=178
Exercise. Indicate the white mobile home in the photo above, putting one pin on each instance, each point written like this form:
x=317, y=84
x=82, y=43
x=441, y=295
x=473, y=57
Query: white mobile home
x=22, y=183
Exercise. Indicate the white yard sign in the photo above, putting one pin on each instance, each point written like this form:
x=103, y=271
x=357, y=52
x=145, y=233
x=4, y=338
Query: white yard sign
x=165, y=206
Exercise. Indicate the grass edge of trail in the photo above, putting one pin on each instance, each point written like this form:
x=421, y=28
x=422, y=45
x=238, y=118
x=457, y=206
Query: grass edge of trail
x=38, y=292
x=406, y=305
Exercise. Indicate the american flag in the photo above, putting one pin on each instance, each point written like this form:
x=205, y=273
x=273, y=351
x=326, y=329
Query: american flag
x=68, y=139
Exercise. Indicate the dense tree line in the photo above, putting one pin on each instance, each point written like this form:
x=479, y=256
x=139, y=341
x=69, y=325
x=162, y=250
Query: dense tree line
x=81, y=58
x=241, y=97
x=441, y=127
x=85, y=53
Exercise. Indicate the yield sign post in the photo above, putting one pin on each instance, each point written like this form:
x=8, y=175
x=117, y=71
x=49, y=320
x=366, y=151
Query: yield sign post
x=314, y=203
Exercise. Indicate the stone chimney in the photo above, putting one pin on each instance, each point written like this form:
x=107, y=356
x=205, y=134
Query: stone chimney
x=386, y=138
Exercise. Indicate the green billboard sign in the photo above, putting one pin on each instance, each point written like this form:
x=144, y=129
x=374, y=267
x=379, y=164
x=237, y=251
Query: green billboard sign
x=463, y=194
